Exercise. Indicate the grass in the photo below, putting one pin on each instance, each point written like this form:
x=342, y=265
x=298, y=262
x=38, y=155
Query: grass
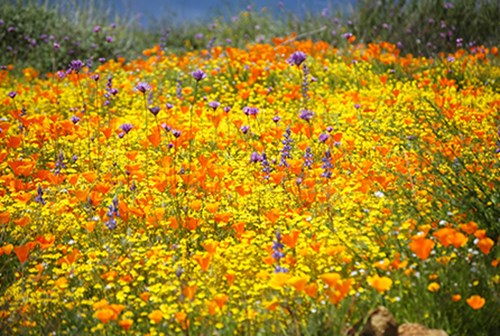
x=281, y=187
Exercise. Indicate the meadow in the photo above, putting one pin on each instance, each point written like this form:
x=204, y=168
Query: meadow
x=284, y=186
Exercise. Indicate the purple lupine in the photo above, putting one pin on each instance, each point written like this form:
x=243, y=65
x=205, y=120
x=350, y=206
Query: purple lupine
x=112, y=213
x=255, y=157
x=178, y=89
x=266, y=167
x=327, y=165
x=198, y=75
x=247, y=110
x=59, y=163
x=306, y=115
x=278, y=254
x=12, y=94
x=142, y=87
x=39, y=196
x=154, y=110
x=285, y=151
x=214, y=105
x=308, y=158
x=297, y=58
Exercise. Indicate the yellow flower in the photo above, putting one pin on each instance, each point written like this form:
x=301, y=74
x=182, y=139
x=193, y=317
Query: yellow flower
x=381, y=284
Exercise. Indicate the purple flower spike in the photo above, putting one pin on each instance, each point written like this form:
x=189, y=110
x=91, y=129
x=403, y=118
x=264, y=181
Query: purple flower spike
x=126, y=127
x=142, y=87
x=297, y=58
x=214, y=105
x=198, y=75
x=306, y=115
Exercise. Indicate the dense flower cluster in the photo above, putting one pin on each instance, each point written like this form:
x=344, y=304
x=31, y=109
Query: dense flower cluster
x=277, y=213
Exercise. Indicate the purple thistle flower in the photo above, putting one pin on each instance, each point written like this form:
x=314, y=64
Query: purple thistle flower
x=76, y=66
x=126, y=127
x=96, y=29
x=56, y=46
x=244, y=129
x=250, y=110
x=255, y=157
x=142, y=87
x=323, y=137
x=297, y=58
x=109, y=39
x=198, y=75
x=155, y=110
x=306, y=115
x=214, y=105
x=12, y=94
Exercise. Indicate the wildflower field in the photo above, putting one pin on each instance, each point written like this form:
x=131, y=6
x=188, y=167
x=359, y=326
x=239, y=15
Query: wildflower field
x=283, y=188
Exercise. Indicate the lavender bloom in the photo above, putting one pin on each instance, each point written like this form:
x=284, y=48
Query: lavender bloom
x=126, y=127
x=166, y=127
x=329, y=129
x=101, y=59
x=74, y=158
x=12, y=94
x=245, y=129
x=155, y=110
x=255, y=157
x=297, y=58
x=250, y=110
x=285, y=151
x=96, y=29
x=169, y=106
x=76, y=66
x=327, y=165
x=176, y=133
x=56, y=46
x=308, y=158
x=39, y=196
x=113, y=212
x=198, y=75
x=323, y=137
x=142, y=87
x=306, y=115
x=227, y=109
x=276, y=119
x=109, y=39
x=214, y=105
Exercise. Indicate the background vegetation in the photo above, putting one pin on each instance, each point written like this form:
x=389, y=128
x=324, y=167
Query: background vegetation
x=47, y=37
